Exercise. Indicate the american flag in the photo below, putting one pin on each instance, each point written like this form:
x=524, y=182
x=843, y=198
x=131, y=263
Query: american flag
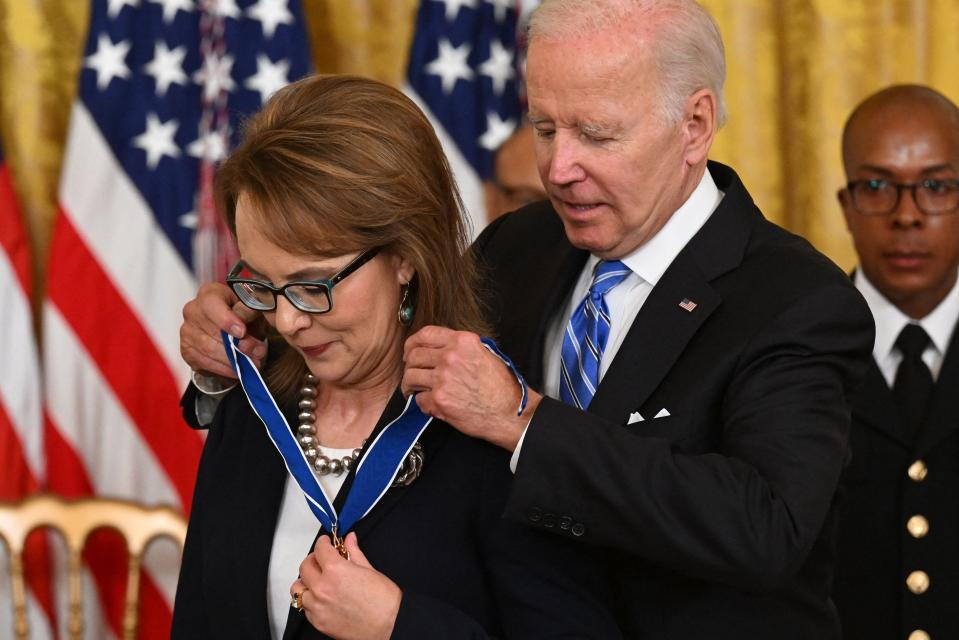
x=162, y=90
x=21, y=446
x=687, y=305
x=463, y=74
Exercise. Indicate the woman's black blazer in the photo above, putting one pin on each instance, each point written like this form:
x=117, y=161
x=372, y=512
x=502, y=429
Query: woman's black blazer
x=464, y=571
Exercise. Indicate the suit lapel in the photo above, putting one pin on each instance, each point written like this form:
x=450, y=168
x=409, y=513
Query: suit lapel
x=662, y=328
x=943, y=416
x=529, y=321
x=260, y=482
x=875, y=407
x=294, y=621
x=659, y=334
x=428, y=441
x=431, y=441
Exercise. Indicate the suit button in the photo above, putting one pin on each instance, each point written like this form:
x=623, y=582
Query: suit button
x=917, y=526
x=578, y=529
x=534, y=514
x=919, y=634
x=549, y=520
x=918, y=472
x=565, y=523
x=918, y=582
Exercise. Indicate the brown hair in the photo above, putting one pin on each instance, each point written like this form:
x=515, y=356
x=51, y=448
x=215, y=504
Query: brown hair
x=337, y=164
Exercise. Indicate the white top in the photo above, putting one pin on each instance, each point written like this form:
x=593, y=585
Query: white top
x=296, y=527
x=939, y=324
x=647, y=263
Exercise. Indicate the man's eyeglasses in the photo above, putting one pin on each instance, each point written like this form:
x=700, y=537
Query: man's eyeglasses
x=311, y=296
x=878, y=197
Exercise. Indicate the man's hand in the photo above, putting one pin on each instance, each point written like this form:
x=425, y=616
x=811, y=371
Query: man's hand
x=346, y=599
x=460, y=382
x=214, y=308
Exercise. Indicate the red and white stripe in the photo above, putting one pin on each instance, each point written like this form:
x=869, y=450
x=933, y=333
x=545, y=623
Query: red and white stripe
x=113, y=375
x=21, y=444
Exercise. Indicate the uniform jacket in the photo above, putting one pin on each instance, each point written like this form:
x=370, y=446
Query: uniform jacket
x=464, y=571
x=900, y=515
x=718, y=520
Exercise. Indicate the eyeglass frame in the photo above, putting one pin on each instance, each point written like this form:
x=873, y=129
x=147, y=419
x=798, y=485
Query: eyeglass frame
x=326, y=283
x=900, y=187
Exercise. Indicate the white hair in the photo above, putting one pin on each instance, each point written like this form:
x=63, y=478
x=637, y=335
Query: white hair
x=688, y=48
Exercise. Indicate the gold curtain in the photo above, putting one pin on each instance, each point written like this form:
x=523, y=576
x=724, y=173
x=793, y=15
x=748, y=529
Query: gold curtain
x=796, y=68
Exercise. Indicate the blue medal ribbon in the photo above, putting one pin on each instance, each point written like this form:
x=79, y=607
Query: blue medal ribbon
x=375, y=471
x=524, y=389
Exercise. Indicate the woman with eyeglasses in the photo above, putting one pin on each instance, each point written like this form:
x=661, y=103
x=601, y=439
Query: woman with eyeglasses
x=351, y=236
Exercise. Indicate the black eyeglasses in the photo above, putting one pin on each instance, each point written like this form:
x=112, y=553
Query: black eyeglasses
x=311, y=296
x=878, y=197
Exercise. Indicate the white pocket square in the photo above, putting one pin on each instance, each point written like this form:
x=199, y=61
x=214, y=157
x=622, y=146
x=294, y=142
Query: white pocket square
x=634, y=417
x=663, y=413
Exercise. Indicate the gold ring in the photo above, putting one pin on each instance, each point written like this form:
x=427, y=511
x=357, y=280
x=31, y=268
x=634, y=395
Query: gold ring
x=296, y=601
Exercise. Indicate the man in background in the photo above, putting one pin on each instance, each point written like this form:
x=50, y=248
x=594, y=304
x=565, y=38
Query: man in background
x=516, y=180
x=898, y=572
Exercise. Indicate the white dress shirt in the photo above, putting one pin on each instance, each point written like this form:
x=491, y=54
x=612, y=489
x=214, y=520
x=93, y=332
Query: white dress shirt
x=647, y=263
x=890, y=321
x=296, y=527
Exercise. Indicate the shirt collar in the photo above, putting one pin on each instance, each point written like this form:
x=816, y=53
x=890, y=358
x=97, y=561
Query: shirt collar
x=939, y=323
x=655, y=255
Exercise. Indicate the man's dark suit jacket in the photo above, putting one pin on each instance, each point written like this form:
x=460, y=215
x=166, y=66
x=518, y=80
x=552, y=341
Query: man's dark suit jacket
x=719, y=520
x=893, y=477
x=464, y=571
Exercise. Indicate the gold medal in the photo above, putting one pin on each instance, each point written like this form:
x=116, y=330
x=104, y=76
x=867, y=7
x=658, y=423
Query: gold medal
x=339, y=544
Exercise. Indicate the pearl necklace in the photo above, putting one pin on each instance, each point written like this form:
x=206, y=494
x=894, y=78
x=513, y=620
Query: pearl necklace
x=324, y=465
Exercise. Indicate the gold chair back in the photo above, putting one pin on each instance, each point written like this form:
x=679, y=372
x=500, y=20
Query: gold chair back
x=76, y=520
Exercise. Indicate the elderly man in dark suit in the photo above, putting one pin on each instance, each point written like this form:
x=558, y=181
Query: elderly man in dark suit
x=690, y=364
x=898, y=572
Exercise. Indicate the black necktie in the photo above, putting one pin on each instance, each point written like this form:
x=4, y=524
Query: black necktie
x=913, y=386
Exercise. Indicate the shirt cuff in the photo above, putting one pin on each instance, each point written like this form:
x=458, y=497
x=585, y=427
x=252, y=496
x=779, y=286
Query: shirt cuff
x=205, y=408
x=514, y=459
x=215, y=386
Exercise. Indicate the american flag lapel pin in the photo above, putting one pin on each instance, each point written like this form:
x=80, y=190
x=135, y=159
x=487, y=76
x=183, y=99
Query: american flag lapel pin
x=687, y=305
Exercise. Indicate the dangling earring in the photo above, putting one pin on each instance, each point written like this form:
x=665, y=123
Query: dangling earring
x=405, y=314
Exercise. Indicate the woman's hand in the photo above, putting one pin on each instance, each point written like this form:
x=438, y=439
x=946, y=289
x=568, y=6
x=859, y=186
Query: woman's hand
x=343, y=598
x=215, y=307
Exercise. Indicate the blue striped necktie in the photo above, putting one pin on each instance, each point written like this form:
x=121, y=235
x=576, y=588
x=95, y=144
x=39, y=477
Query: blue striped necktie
x=586, y=335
